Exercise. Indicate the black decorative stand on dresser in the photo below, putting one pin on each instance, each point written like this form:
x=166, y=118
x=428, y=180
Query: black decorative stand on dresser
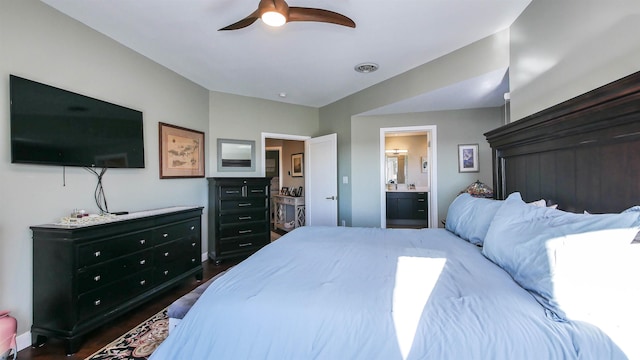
x=238, y=216
x=87, y=274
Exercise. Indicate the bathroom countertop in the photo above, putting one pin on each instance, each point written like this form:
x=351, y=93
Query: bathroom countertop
x=403, y=188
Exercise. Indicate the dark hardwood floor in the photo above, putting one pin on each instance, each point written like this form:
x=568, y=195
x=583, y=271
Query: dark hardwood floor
x=54, y=349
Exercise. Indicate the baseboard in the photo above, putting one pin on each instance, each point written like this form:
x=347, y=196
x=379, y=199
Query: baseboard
x=205, y=257
x=23, y=341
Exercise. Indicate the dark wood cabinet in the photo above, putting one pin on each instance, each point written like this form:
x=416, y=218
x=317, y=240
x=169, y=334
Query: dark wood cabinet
x=407, y=208
x=85, y=275
x=238, y=216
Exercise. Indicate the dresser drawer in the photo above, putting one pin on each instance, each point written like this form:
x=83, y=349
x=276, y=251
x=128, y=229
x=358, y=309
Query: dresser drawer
x=243, y=204
x=102, y=274
x=99, y=300
x=187, y=247
x=248, y=243
x=111, y=248
x=244, y=217
x=174, y=232
x=242, y=190
x=240, y=230
x=168, y=270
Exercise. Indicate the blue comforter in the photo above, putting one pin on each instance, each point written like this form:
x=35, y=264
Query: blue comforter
x=365, y=293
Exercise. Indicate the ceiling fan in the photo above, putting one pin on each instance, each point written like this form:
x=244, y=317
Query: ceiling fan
x=278, y=13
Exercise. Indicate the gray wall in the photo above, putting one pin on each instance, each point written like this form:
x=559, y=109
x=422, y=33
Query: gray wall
x=453, y=128
x=478, y=58
x=561, y=49
x=41, y=44
x=245, y=118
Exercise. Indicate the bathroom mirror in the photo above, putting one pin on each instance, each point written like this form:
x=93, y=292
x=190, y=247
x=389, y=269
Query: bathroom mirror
x=396, y=168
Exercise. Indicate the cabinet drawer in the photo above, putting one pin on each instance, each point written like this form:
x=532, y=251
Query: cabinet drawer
x=174, y=232
x=231, y=191
x=102, y=274
x=243, y=217
x=172, y=251
x=239, y=230
x=243, y=204
x=238, y=190
x=102, y=299
x=168, y=270
x=111, y=248
x=244, y=244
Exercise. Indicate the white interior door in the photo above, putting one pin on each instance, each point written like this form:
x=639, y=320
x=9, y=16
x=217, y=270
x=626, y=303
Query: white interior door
x=321, y=180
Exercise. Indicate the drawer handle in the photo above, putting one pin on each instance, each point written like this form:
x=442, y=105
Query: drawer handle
x=257, y=191
x=244, y=231
x=193, y=244
x=245, y=244
x=193, y=228
x=420, y=200
x=97, y=253
x=97, y=302
x=244, y=204
x=142, y=241
x=166, y=254
x=244, y=218
x=96, y=278
x=142, y=262
x=420, y=210
x=166, y=272
x=165, y=235
x=143, y=282
x=193, y=260
x=232, y=192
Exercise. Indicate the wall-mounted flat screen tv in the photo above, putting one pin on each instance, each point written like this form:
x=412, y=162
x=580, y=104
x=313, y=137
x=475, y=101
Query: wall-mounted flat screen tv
x=51, y=126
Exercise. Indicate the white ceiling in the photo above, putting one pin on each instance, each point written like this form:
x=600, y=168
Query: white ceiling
x=312, y=63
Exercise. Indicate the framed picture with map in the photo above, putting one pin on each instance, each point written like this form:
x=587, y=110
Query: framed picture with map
x=181, y=152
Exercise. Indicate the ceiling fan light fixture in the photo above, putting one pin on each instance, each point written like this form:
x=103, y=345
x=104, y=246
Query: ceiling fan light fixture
x=273, y=18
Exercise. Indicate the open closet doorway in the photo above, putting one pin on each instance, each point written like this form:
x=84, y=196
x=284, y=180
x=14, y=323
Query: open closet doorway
x=408, y=178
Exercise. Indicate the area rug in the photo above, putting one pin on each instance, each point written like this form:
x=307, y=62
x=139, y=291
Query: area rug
x=138, y=343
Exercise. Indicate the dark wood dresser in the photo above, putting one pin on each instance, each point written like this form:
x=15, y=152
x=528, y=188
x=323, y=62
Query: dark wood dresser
x=239, y=223
x=87, y=274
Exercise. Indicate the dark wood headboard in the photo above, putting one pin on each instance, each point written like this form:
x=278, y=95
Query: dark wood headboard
x=584, y=153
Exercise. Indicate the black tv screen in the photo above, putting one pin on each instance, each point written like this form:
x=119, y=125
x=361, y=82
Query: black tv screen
x=52, y=126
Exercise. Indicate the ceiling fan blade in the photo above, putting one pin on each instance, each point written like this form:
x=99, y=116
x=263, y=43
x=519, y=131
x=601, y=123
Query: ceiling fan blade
x=319, y=15
x=243, y=23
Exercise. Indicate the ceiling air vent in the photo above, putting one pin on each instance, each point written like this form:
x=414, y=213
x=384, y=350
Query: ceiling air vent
x=366, y=68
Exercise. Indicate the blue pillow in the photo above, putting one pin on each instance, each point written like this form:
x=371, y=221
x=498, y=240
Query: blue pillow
x=524, y=239
x=469, y=217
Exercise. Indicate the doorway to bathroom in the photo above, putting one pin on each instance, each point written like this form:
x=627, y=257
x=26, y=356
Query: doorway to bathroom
x=408, y=178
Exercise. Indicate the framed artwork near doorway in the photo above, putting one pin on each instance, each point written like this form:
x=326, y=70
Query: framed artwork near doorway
x=468, y=158
x=297, y=165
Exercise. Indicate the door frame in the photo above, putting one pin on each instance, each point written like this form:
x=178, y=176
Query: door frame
x=433, y=168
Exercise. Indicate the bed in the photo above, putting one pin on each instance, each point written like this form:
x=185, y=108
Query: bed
x=506, y=279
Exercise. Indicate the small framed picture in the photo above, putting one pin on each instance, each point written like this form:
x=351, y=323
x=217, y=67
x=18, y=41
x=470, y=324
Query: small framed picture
x=284, y=191
x=468, y=158
x=297, y=165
